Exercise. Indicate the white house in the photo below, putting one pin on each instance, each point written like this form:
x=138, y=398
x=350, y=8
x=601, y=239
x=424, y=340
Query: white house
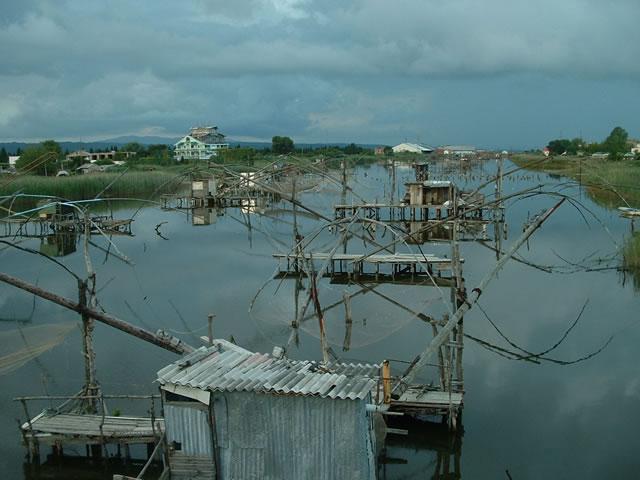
x=13, y=159
x=202, y=143
x=411, y=148
x=636, y=149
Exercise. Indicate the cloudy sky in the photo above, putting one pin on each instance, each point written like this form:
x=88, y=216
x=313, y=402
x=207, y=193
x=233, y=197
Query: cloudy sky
x=499, y=73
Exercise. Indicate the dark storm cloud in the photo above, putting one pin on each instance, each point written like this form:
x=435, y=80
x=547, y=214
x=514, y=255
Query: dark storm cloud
x=367, y=70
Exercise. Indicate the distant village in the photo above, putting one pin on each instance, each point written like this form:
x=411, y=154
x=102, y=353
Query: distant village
x=207, y=143
x=201, y=143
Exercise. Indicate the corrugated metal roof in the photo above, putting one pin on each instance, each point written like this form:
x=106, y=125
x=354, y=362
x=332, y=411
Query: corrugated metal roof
x=227, y=367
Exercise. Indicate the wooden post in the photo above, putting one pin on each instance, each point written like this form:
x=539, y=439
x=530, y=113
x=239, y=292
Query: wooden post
x=172, y=344
x=386, y=382
x=210, y=321
x=34, y=450
x=348, y=321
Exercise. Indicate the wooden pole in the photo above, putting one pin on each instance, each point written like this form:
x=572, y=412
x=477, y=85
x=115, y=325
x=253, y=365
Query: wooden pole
x=210, y=320
x=386, y=382
x=172, y=344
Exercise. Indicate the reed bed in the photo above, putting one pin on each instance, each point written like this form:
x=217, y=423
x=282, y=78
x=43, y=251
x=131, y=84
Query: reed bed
x=82, y=187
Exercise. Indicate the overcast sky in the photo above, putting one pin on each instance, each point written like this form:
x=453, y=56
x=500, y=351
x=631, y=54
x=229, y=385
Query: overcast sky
x=499, y=73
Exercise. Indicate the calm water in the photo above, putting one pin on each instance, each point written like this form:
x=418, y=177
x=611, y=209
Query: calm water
x=537, y=421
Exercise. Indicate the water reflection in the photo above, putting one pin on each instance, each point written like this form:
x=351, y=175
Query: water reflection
x=509, y=406
x=428, y=450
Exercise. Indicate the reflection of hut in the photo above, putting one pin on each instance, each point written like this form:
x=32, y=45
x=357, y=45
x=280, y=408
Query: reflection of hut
x=58, y=244
x=230, y=413
x=53, y=210
x=204, y=216
x=430, y=193
x=440, y=232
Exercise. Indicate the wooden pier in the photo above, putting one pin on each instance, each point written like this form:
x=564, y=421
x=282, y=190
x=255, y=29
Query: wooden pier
x=72, y=428
x=421, y=401
x=70, y=424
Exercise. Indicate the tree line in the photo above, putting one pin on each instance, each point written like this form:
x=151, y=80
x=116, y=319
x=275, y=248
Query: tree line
x=617, y=144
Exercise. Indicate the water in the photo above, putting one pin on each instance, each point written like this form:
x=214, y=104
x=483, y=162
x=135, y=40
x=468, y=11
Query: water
x=536, y=421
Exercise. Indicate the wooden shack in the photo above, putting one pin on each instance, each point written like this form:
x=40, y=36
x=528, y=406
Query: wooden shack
x=203, y=188
x=231, y=413
x=430, y=193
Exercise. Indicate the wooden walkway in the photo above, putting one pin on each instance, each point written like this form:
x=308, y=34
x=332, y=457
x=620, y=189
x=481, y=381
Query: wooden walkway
x=68, y=428
x=420, y=401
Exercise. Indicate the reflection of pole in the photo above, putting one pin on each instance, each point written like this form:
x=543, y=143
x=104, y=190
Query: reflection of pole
x=393, y=180
x=498, y=212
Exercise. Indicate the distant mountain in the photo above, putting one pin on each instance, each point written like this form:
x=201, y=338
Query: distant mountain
x=146, y=140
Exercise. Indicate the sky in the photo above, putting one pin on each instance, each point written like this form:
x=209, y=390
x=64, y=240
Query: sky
x=498, y=73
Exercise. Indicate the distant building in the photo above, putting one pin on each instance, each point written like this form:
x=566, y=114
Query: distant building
x=600, y=155
x=546, y=152
x=13, y=159
x=201, y=143
x=90, y=168
x=378, y=151
x=458, y=150
x=95, y=156
x=412, y=148
x=635, y=149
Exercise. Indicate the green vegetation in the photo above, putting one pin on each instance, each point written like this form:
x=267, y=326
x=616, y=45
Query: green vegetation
x=80, y=187
x=30, y=159
x=4, y=157
x=616, y=145
x=631, y=258
x=280, y=145
x=238, y=156
x=607, y=181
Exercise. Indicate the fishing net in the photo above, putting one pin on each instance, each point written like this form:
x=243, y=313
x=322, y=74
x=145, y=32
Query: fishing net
x=17, y=347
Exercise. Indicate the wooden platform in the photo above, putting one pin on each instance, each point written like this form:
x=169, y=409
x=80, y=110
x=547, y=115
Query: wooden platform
x=418, y=400
x=67, y=428
x=373, y=266
x=406, y=212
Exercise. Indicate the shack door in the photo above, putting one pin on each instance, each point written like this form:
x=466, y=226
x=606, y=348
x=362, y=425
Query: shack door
x=189, y=438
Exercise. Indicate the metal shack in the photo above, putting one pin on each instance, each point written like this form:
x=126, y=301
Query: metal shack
x=430, y=192
x=234, y=414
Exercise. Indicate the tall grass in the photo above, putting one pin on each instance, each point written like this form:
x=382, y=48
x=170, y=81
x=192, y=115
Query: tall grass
x=611, y=183
x=631, y=258
x=82, y=187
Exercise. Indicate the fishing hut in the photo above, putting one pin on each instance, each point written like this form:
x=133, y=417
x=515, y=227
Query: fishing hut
x=202, y=191
x=422, y=171
x=231, y=413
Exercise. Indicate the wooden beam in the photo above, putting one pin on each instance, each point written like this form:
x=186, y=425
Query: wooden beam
x=171, y=344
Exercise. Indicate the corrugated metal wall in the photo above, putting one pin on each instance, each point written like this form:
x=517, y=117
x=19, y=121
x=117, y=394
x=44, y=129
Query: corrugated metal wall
x=281, y=437
x=187, y=424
